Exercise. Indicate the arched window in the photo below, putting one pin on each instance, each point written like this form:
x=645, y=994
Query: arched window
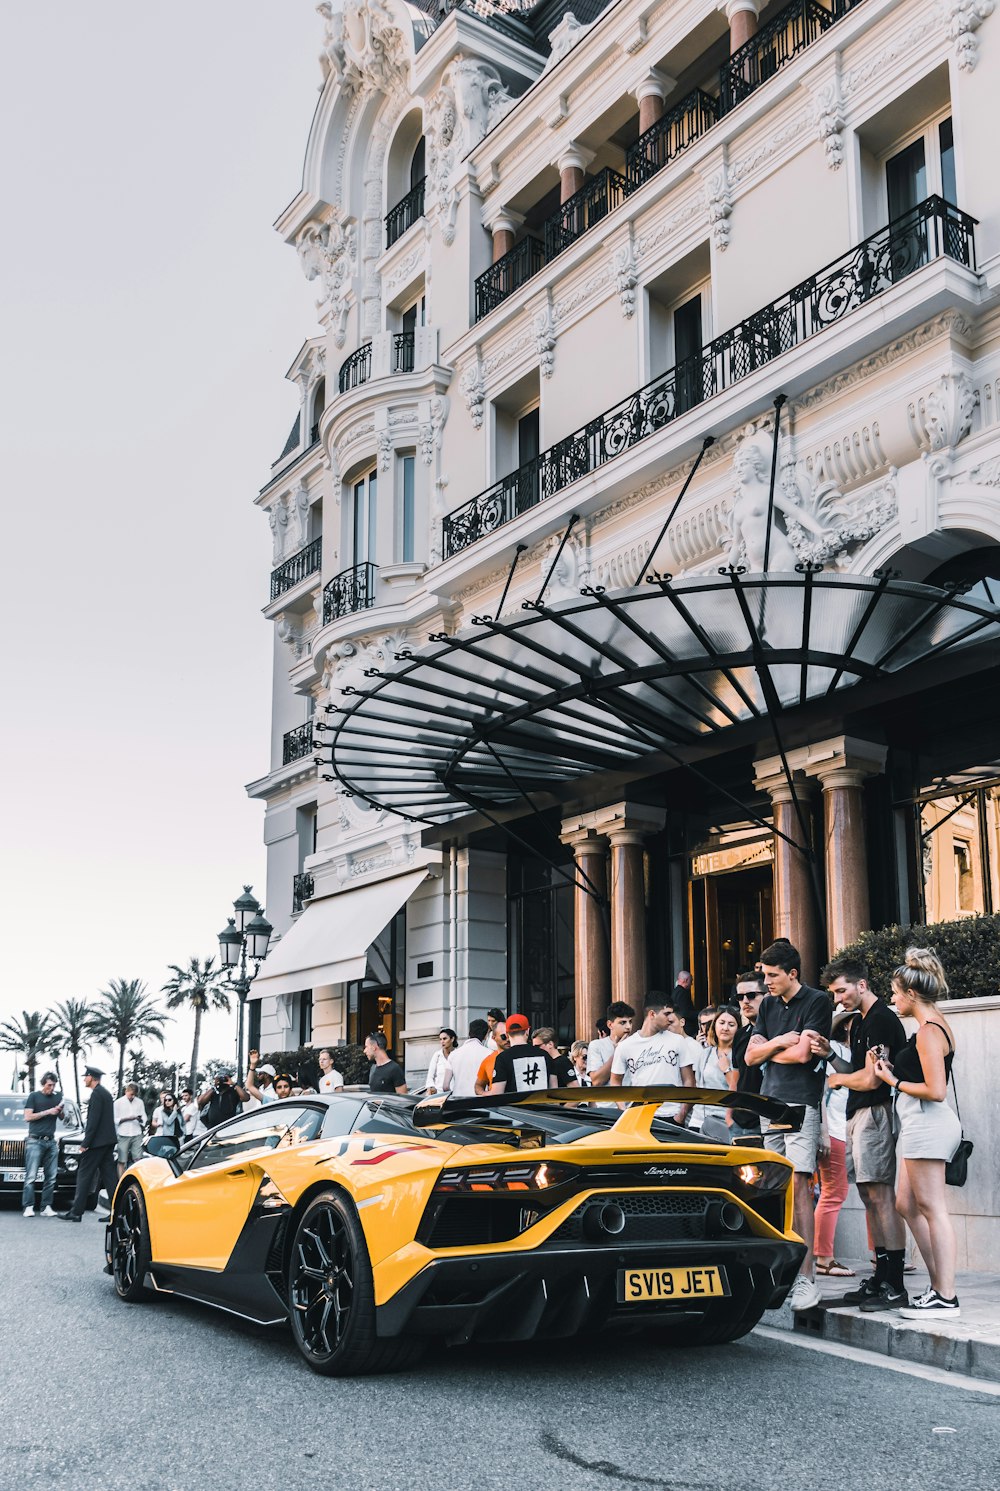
x=418, y=165
x=318, y=405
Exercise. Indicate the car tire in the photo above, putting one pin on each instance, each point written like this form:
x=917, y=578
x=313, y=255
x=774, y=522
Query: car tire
x=331, y=1294
x=130, y=1252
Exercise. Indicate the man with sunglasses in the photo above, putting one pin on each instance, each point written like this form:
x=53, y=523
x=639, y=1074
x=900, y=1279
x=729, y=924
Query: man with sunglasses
x=750, y=991
x=485, y=1074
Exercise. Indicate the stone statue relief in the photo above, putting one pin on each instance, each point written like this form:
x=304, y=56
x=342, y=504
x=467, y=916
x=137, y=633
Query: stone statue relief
x=748, y=517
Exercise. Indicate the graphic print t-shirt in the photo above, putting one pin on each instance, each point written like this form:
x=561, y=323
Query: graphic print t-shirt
x=523, y=1069
x=652, y=1061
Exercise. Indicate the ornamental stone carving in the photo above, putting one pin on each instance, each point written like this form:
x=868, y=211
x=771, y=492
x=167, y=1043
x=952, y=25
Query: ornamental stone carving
x=563, y=39
x=384, y=443
x=473, y=386
x=941, y=419
x=299, y=506
x=963, y=19
x=471, y=100
x=719, y=206
x=277, y=517
x=545, y=341
x=328, y=252
x=830, y=122
x=626, y=273
x=362, y=46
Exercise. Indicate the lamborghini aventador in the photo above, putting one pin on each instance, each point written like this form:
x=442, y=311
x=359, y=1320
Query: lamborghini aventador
x=372, y=1224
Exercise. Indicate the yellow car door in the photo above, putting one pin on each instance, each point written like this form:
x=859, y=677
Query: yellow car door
x=200, y=1213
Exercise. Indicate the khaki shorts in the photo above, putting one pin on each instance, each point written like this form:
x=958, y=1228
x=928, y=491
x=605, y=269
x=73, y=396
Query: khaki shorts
x=871, y=1146
x=129, y=1149
x=800, y=1148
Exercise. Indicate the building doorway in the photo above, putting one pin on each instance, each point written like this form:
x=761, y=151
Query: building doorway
x=732, y=919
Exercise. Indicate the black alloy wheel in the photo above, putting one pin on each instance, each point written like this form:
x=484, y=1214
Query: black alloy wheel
x=331, y=1294
x=130, y=1255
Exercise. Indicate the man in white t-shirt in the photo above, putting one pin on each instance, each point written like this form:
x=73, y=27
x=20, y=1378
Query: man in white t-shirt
x=130, y=1117
x=330, y=1079
x=189, y=1112
x=466, y=1060
x=654, y=1057
x=620, y=1018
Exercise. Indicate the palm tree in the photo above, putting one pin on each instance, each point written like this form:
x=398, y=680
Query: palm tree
x=32, y=1034
x=197, y=987
x=72, y=1020
x=125, y=1012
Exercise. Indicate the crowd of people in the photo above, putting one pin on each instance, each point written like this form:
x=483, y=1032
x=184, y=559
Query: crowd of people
x=874, y=1100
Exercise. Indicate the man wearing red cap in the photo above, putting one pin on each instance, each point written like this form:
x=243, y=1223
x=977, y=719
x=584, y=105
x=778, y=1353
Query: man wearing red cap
x=522, y=1068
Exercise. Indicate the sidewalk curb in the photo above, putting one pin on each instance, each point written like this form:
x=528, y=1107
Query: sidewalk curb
x=890, y=1336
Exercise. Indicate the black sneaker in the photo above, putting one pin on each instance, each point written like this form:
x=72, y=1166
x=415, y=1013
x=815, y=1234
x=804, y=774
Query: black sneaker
x=931, y=1305
x=867, y=1289
x=887, y=1298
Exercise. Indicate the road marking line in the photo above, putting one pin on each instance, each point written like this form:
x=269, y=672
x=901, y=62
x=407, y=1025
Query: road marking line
x=875, y=1359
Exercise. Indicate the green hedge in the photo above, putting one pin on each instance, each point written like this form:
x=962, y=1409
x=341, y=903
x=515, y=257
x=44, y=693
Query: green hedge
x=350, y=1061
x=969, y=949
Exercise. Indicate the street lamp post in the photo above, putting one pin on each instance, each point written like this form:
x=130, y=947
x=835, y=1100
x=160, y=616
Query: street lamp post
x=245, y=935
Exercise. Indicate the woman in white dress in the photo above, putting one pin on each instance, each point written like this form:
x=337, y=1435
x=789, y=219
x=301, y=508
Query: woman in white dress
x=716, y=1067
x=439, y=1077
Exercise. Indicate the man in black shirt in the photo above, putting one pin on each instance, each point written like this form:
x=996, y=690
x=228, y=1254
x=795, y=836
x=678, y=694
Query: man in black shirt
x=750, y=991
x=222, y=1100
x=793, y=1073
x=384, y=1074
x=97, y=1155
x=41, y=1149
x=683, y=1003
x=521, y=1067
x=560, y=1065
x=871, y=1148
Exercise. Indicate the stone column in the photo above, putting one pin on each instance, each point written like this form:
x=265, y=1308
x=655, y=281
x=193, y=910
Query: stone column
x=795, y=911
x=742, y=18
x=841, y=765
x=591, y=951
x=572, y=165
x=504, y=228
x=650, y=93
x=628, y=826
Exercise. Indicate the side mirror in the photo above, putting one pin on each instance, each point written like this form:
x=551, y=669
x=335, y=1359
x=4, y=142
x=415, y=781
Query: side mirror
x=163, y=1146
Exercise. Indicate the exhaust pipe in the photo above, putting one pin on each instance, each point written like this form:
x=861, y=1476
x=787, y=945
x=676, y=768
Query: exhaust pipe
x=603, y=1220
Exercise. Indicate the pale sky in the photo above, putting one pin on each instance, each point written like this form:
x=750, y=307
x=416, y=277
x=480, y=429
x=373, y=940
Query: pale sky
x=149, y=313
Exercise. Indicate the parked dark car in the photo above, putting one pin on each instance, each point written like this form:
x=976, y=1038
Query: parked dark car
x=14, y=1132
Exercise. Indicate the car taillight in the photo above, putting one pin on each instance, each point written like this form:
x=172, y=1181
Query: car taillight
x=767, y=1176
x=532, y=1177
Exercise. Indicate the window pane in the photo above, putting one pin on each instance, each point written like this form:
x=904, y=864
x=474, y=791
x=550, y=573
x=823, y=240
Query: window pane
x=372, y=505
x=906, y=179
x=258, y=1130
x=359, y=521
x=408, y=478
x=946, y=139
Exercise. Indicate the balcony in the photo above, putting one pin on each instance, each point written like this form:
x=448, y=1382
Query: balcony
x=405, y=213
x=351, y=590
x=297, y=744
x=356, y=369
x=790, y=32
x=306, y=562
x=932, y=230
x=302, y=890
x=403, y=344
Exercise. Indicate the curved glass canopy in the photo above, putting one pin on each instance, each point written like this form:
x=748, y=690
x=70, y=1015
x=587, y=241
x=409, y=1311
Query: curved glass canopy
x=597, y=683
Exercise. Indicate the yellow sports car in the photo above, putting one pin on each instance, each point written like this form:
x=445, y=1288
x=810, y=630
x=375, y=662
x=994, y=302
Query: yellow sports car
x=372, y=1223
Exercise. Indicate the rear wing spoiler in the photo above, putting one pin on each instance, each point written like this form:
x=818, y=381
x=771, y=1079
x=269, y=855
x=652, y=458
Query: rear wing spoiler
x=782, y=1117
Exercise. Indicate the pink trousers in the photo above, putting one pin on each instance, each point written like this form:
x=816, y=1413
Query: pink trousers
x=833, y=1192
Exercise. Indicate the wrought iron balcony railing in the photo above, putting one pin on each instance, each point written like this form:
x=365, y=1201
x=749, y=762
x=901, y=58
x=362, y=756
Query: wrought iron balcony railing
x=351, y=590
x=669, y=136
x=931, y=230
x=297, y=744
x=304, y=563
x=776, y=44
x=590, y=205
x=508, y=274
x=302, y=889
x=356, y=369
x=403, y=343
x=405, y=213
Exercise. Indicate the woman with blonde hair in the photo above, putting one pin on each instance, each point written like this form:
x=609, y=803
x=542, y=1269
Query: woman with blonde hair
x=929, y=1132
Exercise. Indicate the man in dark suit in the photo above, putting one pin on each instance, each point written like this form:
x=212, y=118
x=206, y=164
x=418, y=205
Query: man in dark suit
x=97, y=1156
x=683, y=1003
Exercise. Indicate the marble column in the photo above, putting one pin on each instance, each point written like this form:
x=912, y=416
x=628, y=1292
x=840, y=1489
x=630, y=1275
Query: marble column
x=572, y=165
x=795, y=910
x=650, y=94
x=742, y=18
x=591, y=951
x=628, y=827
x=504, y=230
x=841, y=765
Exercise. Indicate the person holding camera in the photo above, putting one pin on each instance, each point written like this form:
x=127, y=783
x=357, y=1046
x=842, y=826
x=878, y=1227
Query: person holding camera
x=222, y=1100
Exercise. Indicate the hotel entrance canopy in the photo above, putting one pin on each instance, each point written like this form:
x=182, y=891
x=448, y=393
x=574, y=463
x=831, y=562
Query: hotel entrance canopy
x=607, y=681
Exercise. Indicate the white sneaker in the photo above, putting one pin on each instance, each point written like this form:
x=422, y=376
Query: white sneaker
x=48, y=1212
x=932, y=1306
x=29, y=1211
x=804, y=1294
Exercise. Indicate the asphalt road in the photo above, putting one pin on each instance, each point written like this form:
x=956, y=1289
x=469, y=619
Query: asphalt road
x=102, y=1396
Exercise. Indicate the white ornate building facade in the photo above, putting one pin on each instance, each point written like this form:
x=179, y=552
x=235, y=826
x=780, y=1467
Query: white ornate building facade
x=572, y=265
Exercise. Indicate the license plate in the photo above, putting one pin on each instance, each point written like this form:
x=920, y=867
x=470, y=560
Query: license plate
x=14, y=1175
x=637, y=1286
